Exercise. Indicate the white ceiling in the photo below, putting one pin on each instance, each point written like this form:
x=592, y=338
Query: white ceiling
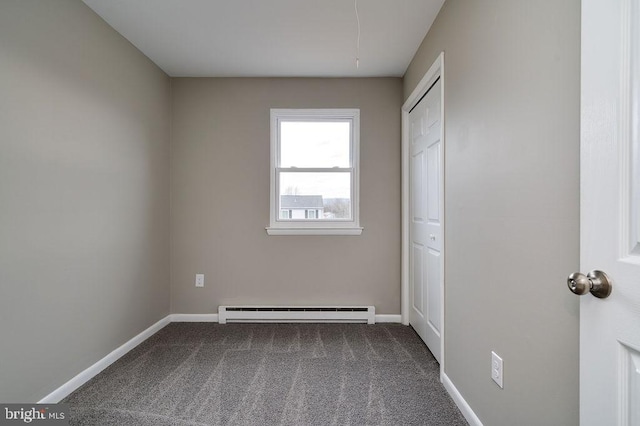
x=272, y=38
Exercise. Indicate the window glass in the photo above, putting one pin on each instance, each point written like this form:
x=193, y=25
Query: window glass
x=328, y=192
x=315, y=144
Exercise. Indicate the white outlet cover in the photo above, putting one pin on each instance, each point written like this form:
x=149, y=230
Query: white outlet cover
x=199, y=280
x=497, y=371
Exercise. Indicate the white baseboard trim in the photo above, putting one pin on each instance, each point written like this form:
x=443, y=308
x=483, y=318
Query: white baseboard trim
x=465, y=408
x=90, y=372
x=194, y=317
x=388, y=318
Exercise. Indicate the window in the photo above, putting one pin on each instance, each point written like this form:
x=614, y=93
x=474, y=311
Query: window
x=285, y=214
x=314, y=172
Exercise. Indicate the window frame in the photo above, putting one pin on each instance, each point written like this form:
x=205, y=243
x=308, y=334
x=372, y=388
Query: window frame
x=278, y=226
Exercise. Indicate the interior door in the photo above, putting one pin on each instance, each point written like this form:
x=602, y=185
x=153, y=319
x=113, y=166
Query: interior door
x=610, y=212
x=425, y=233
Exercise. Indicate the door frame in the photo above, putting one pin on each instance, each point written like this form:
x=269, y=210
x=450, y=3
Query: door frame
x=435, y=71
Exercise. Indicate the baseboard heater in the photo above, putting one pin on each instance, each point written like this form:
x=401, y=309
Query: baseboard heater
x=357, y=314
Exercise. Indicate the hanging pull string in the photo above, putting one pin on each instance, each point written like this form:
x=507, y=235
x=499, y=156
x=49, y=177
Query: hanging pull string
x=358, y=42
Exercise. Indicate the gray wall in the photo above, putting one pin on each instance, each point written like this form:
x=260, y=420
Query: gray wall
x=84, y=193
x=220, y=198
x=512, y=97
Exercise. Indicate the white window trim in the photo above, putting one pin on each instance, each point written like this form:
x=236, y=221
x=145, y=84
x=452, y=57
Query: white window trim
x=328, y=227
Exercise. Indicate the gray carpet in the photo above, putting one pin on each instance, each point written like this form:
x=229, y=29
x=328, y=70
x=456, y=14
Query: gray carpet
x=270, y=374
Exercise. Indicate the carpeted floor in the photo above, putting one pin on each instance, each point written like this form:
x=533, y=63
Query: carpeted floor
x=270, y=374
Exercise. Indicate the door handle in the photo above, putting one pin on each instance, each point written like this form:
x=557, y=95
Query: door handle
x=596, y=282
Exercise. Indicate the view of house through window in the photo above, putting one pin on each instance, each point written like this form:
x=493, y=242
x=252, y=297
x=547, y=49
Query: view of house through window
x=315, y=167
x=327, y=194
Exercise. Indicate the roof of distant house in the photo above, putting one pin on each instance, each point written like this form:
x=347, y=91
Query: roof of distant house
x=301, y=202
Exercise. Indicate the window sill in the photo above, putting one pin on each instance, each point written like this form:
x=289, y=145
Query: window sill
x=314, y=231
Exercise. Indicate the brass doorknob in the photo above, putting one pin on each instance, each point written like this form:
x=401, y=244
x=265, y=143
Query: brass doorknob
x=596, y=282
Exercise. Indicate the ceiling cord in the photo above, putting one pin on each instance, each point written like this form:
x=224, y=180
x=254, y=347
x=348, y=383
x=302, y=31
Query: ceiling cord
x=358, y=42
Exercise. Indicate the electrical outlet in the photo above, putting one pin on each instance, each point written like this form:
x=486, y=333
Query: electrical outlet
x=496, y=369
x=199, y=280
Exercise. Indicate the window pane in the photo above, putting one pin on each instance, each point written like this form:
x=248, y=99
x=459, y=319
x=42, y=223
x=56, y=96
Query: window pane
x=329, y=194
x=315, y=144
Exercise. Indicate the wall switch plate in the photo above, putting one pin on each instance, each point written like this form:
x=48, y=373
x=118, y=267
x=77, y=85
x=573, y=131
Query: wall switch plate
x=496, y=369
x=199, y=280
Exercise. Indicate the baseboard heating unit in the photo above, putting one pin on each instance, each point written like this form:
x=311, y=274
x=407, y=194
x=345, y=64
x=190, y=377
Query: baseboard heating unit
x=361, y=314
